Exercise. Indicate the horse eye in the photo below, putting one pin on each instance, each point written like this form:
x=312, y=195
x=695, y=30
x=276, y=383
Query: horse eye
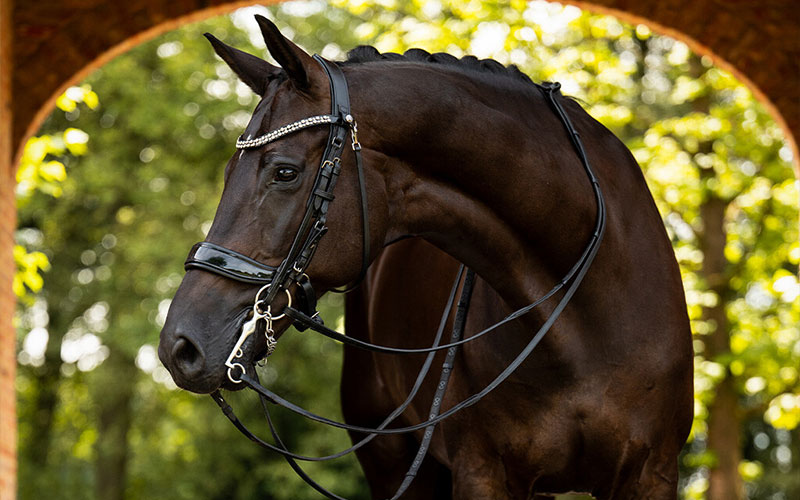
x=285, y=174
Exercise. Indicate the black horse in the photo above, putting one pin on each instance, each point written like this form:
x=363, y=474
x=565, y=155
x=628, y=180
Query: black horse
x=464, y=160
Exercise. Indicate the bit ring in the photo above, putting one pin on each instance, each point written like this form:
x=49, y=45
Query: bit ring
x=230, y=375
x=268, y=312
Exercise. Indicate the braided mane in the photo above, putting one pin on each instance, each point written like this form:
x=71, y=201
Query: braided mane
x=366, y=53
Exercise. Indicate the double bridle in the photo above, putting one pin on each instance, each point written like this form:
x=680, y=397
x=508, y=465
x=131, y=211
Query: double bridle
x=239, y=267
x=291, y=271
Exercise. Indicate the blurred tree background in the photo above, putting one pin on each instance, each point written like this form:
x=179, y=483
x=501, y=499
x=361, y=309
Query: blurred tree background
x=124, y=177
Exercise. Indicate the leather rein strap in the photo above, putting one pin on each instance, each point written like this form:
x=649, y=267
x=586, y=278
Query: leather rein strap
x=228, y=263
x=291, y=458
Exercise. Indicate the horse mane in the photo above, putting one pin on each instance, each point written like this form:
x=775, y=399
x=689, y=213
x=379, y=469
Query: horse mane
x=367, y=53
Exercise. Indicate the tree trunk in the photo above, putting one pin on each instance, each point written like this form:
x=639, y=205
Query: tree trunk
x=723, y=440
x=724, y=420
x=47, y=380
x=113, y=393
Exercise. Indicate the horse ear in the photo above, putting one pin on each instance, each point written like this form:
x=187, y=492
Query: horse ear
x=252, y=70
x=300, y=67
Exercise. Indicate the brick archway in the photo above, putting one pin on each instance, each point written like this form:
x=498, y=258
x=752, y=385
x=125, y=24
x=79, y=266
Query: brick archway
x=47, y=45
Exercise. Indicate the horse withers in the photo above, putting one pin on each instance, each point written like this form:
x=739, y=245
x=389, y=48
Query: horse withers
x=463, y=161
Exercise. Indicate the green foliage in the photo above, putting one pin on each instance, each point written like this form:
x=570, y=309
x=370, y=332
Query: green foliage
x=116, y=229
x=41, y=171
x=38, y=170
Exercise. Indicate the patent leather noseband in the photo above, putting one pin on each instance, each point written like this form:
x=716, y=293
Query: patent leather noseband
x=220, y=260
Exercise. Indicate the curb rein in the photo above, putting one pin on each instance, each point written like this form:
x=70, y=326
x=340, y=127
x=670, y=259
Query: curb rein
x=234, y=265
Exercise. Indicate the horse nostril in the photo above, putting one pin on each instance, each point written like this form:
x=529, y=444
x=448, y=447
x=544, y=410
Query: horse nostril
x=188, y=357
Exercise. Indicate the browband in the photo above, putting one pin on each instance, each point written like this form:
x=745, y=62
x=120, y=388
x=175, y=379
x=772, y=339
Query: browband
x=286, y=129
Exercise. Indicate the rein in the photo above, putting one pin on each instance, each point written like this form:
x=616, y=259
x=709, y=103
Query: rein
x=233, y=265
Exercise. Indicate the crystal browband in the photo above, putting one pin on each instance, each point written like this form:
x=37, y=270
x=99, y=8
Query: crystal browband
x=286, y=129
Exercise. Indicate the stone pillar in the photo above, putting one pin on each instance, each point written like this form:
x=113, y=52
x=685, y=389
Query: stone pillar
x=8, y=219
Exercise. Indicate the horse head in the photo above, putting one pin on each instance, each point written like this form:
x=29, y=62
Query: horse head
x=271, y=216
x=477, y=182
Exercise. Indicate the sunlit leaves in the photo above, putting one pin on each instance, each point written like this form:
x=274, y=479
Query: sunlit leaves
x=37, y=173
x=69, y=100
x=28, y=274
x=751, y=471
x=76, y=141
x=612, y=115
x=784, y=411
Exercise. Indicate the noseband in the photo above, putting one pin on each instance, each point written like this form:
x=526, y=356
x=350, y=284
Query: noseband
x=291, y=271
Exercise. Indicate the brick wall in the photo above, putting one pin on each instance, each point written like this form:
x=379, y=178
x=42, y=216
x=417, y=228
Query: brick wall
x=8, y=215
x=8, y=420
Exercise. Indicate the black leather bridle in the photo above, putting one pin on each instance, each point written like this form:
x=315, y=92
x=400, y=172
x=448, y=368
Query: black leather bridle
x=231, y=264
x=234, y=265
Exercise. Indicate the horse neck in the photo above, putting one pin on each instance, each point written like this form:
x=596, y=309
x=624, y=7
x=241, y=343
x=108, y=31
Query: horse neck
x=486, y=174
